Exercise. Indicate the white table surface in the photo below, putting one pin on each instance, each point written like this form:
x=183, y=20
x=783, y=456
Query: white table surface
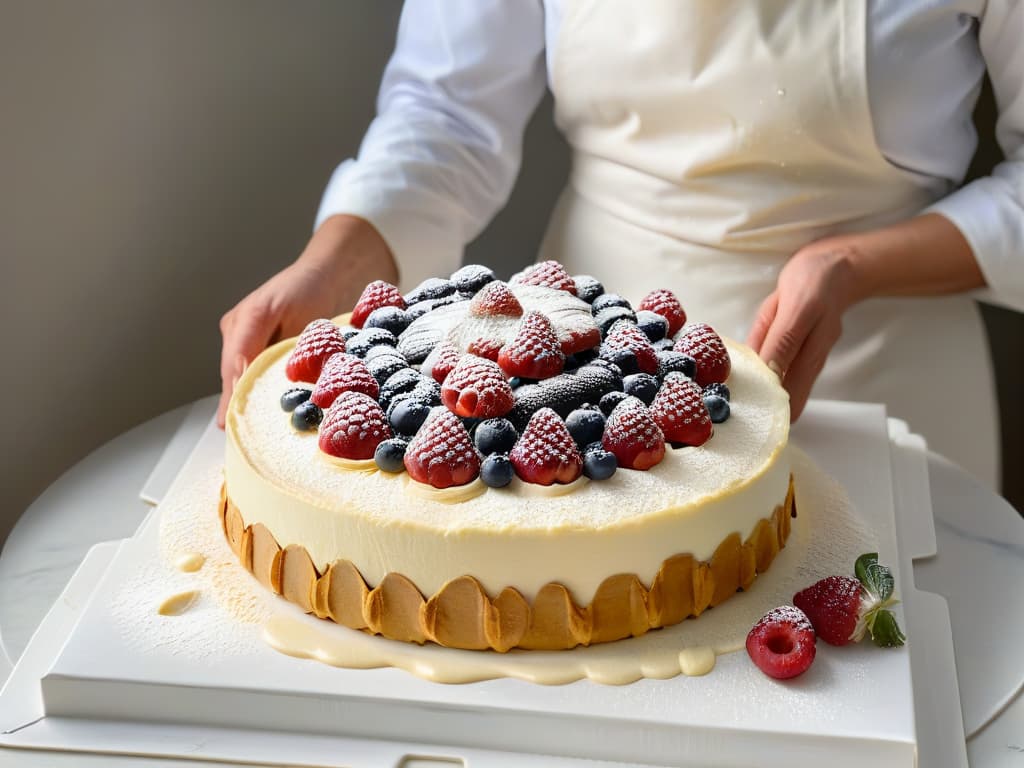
x=55, y=532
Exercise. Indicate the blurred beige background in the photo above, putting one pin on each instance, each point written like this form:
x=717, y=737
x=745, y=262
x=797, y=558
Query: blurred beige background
x=160, y=159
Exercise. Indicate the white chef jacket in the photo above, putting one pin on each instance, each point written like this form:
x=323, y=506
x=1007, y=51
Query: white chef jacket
x=442, y=155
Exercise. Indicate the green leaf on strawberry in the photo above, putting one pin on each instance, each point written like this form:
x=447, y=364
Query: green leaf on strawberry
x=885, y=632
x=875, y=618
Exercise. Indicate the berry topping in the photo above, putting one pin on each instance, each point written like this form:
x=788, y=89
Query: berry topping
x=375, y=295
x=406, y=415
x=625, y=335
x=418, y=310
x=588, y=288
x=343, y=373
x=392, y=319
x=486, y=348
x=585, y=426
x=383, y=367
x=317, y=342
x=608, y=401
x=294, y=397
x=642, y=386
x=398, y=383
x=700, y=342
x=633, y=436
x=716, y=388
x=669, y=361
x=781, y=644
x=441, y=361
x=606, y=300
x=624, y=360
x=497, y=471
x=549, y=274
x=476, y=387
x=680, y=412
x=495, y=300
x=348, y=332
x=382, y=350
x=361, y=344
x=563, y=393
x=390, y=455
x=442, y=453
x=607, y=317
x=663, y=344
x=546, y=453
x=353, y=427
x=471, y=278
x=599, y=464
x=307, y=416
x=495, y=436
x=654, y=326
x=431, y=289
x=534, y=352
x=718, y=408
x=665, y=303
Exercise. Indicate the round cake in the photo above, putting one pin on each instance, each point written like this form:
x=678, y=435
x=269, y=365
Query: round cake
x=530, y=465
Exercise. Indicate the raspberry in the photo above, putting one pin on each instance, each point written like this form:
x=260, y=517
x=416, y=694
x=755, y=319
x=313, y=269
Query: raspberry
x=549, y=274
x=353, y=427
x=632, y=435
x=534, y=352
x=376, y=295
x=625, y=335
x=441, y=361
x=486, y=348
x=343, y=373
x=665, y=303
x=700, y=342
x=546, y=453
x=495, y=300
x=442, y=453
x=833, y=607
x=477, y=388
x=781, y=644
x=679, y=410
x=317, y=342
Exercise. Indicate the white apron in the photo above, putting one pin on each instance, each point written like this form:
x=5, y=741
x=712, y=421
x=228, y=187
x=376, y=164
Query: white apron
x=714, y=138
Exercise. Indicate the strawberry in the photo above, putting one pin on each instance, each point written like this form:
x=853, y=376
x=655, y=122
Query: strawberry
x=317, y=342
x=440, y=361
x=679, y=410
x=376, y=295
x=477, y=388
x=343, y=373
x=546, y=452
x=626, y=335
x=353, y=427
x=442, y=453
x=534, y=352
x=665, y=303
x=549, y=274
x=495, y=300
x=633, y=436
x=700, y=342
x=781, y=644
x=844, y=609
x=486, y=348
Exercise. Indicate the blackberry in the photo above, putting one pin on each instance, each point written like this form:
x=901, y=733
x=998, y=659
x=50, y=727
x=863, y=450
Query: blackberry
x=651, y=323
x=717, y=388
x=419, y=309
x=429, y=290
x=588, y=287
x=382, y=350
x=348, y=332
x=454, y=298
x=383, y=367
x=496, y=471
x=606, y=300
x=472, y=277
x=669, y=361
x=609, y=401
x=390, y=455
x=624, y=358
x=389, y=318
x=606, y=318
x=661, y=345
x=362, y=342
x=642, y=386
x=495, y=436
x=291, y=399
x=398, y=383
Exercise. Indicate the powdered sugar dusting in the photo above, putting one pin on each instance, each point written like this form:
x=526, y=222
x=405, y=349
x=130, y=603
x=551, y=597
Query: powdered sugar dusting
x=787, y=614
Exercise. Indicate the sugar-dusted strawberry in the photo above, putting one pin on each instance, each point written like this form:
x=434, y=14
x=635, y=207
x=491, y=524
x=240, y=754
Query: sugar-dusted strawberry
x=534, y=352
x=626, y=335
x=633, y=436
x=665, y=303
x=477, y=388
x=679, y=410
x=844, y=609
x=343, y=373
x=376, y=295
x=546, y=453
x=549, y=274
x=495, y=300
x=317, y=342
x=486, y=348
x=700, y=342
x=353, y=427
x=781, y=644
x=442, y=453
x=441, y=361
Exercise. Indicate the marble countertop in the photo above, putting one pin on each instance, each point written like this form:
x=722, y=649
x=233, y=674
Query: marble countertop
x=980, y=539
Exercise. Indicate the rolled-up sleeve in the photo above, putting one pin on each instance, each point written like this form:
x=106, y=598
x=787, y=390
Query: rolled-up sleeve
x=442, y=155
x=990, y=211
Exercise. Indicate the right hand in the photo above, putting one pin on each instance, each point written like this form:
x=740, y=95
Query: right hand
x=343, y=255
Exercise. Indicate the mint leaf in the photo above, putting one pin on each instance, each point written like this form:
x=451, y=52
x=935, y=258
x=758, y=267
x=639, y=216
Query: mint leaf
x=876, y=578
x=861, y=566
x=885, y=632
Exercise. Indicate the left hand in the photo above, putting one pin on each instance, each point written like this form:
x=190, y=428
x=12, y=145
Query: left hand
x=801, y=320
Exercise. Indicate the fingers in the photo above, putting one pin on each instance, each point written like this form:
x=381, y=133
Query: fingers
x=763, y=321
x=805, y=367
x=246, y=331
x=792, y=324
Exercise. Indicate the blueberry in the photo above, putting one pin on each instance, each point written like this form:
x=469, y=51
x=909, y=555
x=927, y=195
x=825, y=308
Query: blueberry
x=606, y=300
x=419, y=309
x=588, y=288
x=307, y=416
x=606, y=318
x=585, y=426
x=642, y=386
x=718, y=407
x=663, y=345
x=368, y=338
x=390, y=455
x=389, y=318
x=430, y=289
x=515, y=382
x=407, y=415
x=495, y=436
x=651, y=323
x=676, y=361
x=599, y=464
x=472, y=277
x=496, y=470
x=609, y=401
x=295, y=397
x=624, y=358
x=717, y=388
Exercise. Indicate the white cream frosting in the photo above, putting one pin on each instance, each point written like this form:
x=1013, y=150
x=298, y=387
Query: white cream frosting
x=507, y=537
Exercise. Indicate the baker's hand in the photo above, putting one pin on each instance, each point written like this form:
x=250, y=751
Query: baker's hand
x=343, y=255
x=797, y=325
